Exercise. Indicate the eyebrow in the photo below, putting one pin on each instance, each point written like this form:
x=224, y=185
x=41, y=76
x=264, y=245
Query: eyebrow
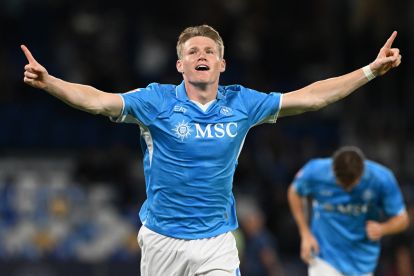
x=205, y=48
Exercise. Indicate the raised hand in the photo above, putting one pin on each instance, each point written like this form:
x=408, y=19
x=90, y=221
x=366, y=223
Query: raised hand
x=35, y=74
x=387, y=57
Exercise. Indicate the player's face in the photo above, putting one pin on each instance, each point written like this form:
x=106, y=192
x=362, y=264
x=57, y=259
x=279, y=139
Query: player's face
x=200, y=61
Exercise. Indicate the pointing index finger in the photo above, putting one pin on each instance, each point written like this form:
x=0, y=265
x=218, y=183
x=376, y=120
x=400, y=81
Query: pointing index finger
x=28, y=55
x=390, y=40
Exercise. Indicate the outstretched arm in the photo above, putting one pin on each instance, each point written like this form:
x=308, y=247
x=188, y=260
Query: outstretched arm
x=325, y=92
x=309, y=245
x=83, y=97
x=376, y=230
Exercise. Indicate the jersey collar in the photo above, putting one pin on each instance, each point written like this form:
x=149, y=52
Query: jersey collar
x=181, y=93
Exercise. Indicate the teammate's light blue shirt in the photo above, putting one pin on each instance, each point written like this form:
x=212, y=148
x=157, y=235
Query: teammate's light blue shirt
x=190, y=155
x=339, y=217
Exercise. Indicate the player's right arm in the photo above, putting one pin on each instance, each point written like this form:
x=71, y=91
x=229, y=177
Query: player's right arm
x=83, y=97
x=309, y=245
x=396, y=224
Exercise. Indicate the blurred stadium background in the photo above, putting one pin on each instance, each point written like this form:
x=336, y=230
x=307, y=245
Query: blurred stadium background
x=71, y=183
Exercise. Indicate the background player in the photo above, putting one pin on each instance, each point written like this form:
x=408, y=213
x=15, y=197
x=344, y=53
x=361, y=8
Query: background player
x=349, y=195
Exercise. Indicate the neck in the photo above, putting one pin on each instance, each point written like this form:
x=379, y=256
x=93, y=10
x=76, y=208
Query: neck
x=202, y=93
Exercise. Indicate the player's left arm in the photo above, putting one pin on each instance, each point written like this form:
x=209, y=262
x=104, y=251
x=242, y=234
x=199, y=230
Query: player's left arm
x=376, y=230
x=325, y=92
x=393, y=205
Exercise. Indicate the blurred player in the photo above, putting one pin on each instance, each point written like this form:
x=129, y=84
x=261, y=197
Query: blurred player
x=191, y=136
x=350, y=195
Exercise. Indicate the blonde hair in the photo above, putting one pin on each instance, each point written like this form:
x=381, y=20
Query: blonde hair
x=202, y=30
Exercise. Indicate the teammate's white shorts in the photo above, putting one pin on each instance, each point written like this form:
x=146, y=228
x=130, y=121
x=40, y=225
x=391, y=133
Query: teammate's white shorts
x=319, y=267
x=162, y=255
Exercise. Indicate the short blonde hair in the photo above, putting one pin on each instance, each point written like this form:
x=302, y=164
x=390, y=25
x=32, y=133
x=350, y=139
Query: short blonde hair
x=202, y=30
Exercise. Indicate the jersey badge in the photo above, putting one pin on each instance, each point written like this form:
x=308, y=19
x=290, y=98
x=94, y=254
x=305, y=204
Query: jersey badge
x=226, y=111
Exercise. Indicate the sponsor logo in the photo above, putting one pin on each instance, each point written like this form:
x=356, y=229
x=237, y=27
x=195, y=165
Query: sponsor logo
x=218, y=130
x=184, y=130
x=325, y=193
x=347, y=209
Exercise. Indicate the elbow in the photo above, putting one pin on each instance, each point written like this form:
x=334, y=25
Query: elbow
x=290, y=191
x=91, y=110
x=317, y=104
x=96, y=111
x=95, y=107
x=319, y=98
x=291, y=194
x=403, y=222
x=315, y=107
x=85, y=108
x=406, y=222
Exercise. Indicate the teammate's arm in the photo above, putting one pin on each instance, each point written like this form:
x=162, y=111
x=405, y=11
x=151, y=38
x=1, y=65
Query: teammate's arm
x=325, y=92
x=376, y=230
x=83, y=97
x=309, y=245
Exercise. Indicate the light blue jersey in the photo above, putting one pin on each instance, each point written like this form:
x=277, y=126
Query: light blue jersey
x=339, y=217
x=190, y=155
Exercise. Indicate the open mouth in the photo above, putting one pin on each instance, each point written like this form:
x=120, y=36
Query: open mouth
x=202, y=67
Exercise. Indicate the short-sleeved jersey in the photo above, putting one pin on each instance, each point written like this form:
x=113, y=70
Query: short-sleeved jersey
x=190, y=155
x=339, y=217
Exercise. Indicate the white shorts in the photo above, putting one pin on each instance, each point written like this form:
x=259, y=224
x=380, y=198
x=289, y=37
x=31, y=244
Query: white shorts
x=319, y=267
x=162, y=255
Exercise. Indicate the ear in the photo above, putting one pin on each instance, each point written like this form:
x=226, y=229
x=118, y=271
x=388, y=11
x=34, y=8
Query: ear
x=222, y=66
x=179, y=66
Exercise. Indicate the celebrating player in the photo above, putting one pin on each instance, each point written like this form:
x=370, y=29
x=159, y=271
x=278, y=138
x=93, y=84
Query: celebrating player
x=192, y=134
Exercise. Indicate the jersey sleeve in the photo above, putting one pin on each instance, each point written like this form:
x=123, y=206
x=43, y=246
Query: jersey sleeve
x=141, y=105
x=261, y=107
x=302, y=181
x=392, y=197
